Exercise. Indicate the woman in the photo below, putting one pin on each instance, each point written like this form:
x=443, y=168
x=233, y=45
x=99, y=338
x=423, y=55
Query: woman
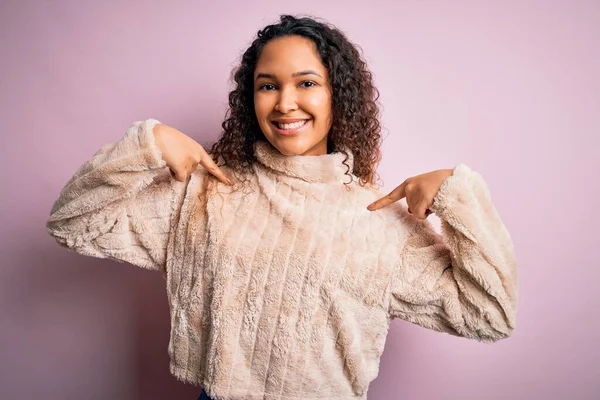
x=284, y=265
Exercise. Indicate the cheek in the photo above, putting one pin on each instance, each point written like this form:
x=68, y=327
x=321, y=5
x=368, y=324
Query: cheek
x=320, y=108
x=261, y=108
x=319, y=105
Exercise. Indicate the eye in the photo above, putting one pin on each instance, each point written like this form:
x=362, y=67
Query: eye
x=308, y=84
x=266, y=87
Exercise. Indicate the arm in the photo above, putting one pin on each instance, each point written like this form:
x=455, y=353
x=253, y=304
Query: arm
x=120, y=204
x=464, y=282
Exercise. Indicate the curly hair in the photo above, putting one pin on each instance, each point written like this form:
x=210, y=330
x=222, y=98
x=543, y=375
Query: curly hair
x=355, y=110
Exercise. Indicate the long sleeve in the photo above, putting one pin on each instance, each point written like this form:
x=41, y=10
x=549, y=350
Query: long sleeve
x=121, y=203
x=463, y=282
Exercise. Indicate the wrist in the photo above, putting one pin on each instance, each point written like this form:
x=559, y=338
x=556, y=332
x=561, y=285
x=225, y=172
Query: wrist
x=157, y=130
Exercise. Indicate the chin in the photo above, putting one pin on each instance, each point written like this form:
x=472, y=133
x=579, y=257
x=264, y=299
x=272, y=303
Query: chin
x=290, y=147
x=307, y=141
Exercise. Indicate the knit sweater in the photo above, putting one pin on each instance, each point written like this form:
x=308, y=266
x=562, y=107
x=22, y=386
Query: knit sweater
x=284, y=285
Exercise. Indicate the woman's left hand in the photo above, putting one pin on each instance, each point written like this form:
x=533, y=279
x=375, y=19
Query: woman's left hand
x=419, y=191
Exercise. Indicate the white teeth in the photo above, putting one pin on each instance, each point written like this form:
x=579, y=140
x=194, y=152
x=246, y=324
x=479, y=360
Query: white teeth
x=292, y=125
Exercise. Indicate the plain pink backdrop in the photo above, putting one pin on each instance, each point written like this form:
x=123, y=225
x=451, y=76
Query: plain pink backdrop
x=511, y=89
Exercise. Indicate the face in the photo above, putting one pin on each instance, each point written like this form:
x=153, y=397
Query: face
x=292, y=96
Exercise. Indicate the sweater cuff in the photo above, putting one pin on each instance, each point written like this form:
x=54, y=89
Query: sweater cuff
x=457, y=188
x=147, y=143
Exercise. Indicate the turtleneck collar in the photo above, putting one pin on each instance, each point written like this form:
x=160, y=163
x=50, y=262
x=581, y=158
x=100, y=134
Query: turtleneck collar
x=326, y=168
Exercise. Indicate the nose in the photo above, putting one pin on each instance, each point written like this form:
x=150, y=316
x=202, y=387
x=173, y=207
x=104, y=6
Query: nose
x=287, y=101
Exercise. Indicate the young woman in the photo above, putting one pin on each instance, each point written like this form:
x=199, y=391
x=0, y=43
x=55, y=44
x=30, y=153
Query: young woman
x=284, y=265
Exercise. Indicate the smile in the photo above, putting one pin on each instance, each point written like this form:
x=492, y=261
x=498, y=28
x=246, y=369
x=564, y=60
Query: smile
x=291, y=128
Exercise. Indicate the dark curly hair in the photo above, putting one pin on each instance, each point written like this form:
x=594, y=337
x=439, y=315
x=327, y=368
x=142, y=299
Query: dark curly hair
x=355, y=126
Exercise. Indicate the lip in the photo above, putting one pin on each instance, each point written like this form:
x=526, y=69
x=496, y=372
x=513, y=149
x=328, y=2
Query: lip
x=290, y=120
x=290, y=132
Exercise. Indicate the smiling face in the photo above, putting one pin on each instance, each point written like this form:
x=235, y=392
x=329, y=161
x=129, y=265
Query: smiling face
x=292, y=96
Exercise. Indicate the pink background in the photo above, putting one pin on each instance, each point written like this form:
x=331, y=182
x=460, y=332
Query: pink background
x=511, y=89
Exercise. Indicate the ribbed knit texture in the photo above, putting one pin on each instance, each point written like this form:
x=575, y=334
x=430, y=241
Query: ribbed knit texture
x=283, y=287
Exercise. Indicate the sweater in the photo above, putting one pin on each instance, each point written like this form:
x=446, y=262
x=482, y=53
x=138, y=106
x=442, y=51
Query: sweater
x=284, y=285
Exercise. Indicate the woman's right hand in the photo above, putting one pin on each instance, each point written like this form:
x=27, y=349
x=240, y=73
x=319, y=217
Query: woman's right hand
x=183, y=154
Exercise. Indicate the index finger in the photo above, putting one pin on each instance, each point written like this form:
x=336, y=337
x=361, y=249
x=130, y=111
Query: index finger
x=211, y=167
x=392, y=197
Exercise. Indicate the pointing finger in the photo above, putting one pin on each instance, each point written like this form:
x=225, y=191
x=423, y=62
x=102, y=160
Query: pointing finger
x=211, y=167
x=392, y=197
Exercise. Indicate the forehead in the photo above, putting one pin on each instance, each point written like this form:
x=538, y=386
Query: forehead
x=289, y=54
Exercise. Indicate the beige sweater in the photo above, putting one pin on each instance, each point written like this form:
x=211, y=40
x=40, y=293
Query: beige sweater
x=284, y=288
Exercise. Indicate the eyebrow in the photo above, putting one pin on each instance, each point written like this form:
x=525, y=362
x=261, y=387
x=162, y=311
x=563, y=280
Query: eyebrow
x=301, y=73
